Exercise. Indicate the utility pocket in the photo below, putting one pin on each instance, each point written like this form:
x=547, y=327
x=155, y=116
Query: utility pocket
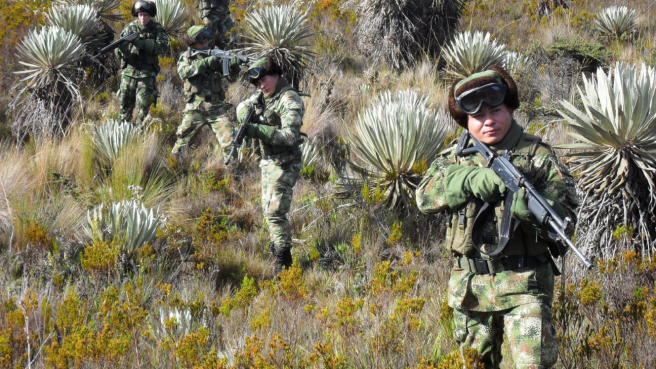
x=462, y=225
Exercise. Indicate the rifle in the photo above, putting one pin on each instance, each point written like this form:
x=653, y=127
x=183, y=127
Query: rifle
x=514, y=181
x=238, y=138
x=127, y=38
x=225, y=57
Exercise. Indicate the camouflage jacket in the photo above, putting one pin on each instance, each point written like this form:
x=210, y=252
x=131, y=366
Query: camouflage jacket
x=202, y=87
x=140, y=63
x=507, y=289
x=281, y=122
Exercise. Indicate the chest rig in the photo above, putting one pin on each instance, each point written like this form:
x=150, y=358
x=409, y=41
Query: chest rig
x=145, y=60
x=271, y=115
x=206, y=86
x=486, y=228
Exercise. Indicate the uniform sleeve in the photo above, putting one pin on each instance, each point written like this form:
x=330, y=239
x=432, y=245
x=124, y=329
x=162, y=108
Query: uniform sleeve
x=555, y=183
x=124, y=51
x=186, y=69
x=430, y=192
x=291, y=120
x=162, y=42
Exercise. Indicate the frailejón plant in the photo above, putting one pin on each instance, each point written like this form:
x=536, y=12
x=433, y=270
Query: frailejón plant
x=392, y=135
x=616, y=158
x=104, y=8
x=282, y=32
x=172, y=15
x=80, y=20
x=616, y=21
x=310, y=152
x=110, y=137
x=469, y=53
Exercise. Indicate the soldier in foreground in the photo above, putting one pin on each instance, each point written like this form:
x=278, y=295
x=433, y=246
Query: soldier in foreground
x=278, y=129
x=510, y=291
x=216, y=16
x=140, y=62
x=203, y=91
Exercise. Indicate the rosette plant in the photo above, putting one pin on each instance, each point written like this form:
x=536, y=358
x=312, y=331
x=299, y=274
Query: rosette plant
x=469, y=53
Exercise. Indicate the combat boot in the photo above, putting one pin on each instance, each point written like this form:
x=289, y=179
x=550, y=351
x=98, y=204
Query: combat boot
x=283, y=257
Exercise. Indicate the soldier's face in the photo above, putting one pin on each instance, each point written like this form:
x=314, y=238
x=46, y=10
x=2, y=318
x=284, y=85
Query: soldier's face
x=490, y=125
x=268, y=84
x=203, y=45
x=144, y=18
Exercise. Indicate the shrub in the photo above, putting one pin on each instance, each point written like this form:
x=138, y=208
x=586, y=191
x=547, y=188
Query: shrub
x=469, y=53
x=394, y=133
x=280, y=31
x=616, y=133
x=399, y=31
x=616, y=22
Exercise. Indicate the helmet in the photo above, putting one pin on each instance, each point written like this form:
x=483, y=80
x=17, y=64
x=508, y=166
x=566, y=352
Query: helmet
x=198, y=33
x=143, y=6
x=262, y=67
x=492, y=87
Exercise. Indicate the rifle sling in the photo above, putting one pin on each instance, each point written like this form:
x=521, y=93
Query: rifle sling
x=508, y=226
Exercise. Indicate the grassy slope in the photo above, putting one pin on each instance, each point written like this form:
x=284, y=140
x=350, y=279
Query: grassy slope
x=369, y=286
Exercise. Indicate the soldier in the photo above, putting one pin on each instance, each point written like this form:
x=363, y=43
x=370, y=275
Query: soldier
x=216, y=16
x=278, y=130
x=140, y=62
x=203, y=89
x=512, y=291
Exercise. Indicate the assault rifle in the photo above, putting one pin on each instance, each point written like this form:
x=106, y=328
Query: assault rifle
x=224, y=55
x=514, y=181
x=238, y=138
x=127, y=38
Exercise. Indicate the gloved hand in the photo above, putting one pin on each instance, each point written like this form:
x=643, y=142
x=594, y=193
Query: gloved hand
x=484, y=184
x=235, y=65
x=139, y=43
x=461, y=183
x=206, y=64
x=259, y=131
x=519, y=208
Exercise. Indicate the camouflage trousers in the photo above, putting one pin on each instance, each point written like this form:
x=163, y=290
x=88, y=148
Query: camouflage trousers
x=277, y=189
x=219, y=22
x=196, y=115
x=137, y=92
x=531, y=335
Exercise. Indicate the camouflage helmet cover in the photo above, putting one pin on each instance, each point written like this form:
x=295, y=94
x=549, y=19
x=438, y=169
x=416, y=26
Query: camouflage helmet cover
x=262, y=67
x=494, y=74
x=143, y=6
x=198, y=33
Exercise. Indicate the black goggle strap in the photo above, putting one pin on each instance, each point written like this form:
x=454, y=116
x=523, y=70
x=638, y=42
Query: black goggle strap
x=202, y=36
x=485, y=94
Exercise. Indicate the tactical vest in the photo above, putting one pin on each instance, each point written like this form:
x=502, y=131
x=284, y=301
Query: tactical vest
x=272, y=118
x=145, y=61
x=212, y=4
x=208, y=85
x=460, y=228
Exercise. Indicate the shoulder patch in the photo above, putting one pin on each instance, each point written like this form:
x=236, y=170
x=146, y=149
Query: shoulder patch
x=291, y=100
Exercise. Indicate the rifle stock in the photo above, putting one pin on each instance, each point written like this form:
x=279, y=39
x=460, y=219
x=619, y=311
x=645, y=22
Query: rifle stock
x=514, y=181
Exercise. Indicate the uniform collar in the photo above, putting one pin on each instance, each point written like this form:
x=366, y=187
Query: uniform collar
x=511, y=139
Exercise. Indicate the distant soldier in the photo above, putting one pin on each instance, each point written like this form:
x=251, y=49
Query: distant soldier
x=509, y=292
x=216, y=16
x=140, y=62
x=203, y=91
x=278, y=129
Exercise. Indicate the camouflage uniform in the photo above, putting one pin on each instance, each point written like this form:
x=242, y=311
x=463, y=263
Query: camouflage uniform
x=280, y=136
x=203, y=88
x=517, y=300
x=216, y=16
x=140, y=67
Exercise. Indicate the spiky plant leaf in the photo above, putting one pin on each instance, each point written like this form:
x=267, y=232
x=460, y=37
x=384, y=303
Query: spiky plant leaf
x=395, y=132
x=172, y=15
x=81, y=20
x=469, y=53
x=310, y=152
x=516, y=63
x=282, y=32
x=129, y=221
x=616, y=164
x=109, y=138
x=616, y=21
x=104, y=8
x=398, y=31
x=49, y=56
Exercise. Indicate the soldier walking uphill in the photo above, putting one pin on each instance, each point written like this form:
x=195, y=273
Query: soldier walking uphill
x=278, y=129
x=203, y=89
x=511, y=291
x=216, y=16
x=140, y=62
